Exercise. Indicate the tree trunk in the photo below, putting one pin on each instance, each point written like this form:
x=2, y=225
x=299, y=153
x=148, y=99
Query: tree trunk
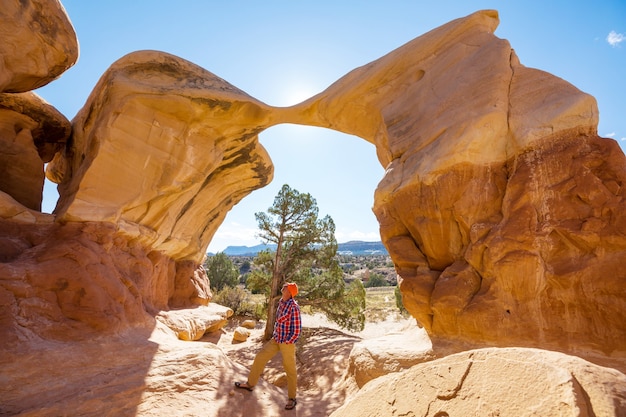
x=274, y=291
x=277, y=282
x=271, y=318
x=272, y=305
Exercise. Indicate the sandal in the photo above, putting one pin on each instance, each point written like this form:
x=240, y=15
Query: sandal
x=242, y=386
x=291, y=404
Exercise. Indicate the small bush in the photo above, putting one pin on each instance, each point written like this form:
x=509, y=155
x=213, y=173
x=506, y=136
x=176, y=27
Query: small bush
x=376, y=280
x=399, y=303
x=221, y=271
x=239, y=300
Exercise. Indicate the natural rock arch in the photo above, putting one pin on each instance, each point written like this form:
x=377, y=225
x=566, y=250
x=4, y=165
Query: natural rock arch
x=500, y=206
x=477, y=208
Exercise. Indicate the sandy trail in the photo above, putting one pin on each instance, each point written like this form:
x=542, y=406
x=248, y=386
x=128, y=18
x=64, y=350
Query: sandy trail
x=322, y=359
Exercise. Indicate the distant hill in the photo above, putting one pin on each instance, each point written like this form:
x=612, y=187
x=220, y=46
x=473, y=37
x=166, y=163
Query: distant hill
x=354, y=247
x=246, y=250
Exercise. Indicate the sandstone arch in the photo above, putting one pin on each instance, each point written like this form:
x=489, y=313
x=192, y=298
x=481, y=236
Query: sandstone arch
x=500, y=205
x=481, y=215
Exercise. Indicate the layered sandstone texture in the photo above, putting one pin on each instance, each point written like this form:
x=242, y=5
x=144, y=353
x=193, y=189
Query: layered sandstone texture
x=163, y=149
x=502, y=209
x=38, y=45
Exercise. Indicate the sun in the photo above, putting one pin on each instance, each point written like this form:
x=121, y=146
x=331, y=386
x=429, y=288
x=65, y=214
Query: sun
x=296, y=93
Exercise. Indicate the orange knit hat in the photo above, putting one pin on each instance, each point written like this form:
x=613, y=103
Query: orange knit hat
x=292, y=287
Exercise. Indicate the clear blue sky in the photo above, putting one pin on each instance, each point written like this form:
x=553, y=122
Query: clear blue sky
x=282, y=52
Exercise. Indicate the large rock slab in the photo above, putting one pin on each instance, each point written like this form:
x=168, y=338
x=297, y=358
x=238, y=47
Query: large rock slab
x=192, y=323
x=80, y=279
x=511, y=382
x=163, y=149
x=69, y=282
x=137, y=374
x=38, y=44
x=372, y=358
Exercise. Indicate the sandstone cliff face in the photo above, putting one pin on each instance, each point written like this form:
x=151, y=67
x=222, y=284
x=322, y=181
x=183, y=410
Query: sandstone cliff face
x=500, y=206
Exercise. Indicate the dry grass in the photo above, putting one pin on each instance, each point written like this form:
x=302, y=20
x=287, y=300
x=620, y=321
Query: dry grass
x=380, y=304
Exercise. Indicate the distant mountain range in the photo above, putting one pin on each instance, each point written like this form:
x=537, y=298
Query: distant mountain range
x=354, y=247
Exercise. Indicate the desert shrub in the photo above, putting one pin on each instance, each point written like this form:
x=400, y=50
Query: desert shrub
x=245, y=267
x=243, y=279
x=376, y=280
x=399, y=304
x=237, y=299
x=221, y=272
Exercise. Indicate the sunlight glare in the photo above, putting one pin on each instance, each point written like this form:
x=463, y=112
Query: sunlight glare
x=295, y=93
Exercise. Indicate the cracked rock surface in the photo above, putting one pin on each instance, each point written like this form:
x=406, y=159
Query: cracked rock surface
x=494, y=382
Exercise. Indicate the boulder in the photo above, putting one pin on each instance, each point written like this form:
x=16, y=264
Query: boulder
x=372, y=358
x=513, y=382
x=249, y=324
x=31, y=133
x=163, y=149
x=38, y=44
x=193, y=323
x=241, y=334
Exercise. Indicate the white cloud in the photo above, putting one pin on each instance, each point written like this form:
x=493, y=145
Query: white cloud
x=610, y=135
x=614, y=38
x=623, y=139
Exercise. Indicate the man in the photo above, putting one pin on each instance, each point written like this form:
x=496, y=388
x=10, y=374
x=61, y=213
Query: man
x=286, y=332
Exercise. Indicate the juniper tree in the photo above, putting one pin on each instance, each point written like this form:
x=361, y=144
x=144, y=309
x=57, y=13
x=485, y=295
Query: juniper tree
x=305, y=249
x=221, y=271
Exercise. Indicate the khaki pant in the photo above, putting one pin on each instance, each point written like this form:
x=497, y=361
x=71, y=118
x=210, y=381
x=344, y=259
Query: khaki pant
x=271, y=348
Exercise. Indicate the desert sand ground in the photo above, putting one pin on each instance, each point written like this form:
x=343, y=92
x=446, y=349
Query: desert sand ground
x=322, y=359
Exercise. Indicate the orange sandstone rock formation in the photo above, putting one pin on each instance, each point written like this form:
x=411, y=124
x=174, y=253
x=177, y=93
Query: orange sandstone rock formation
x=38, y=44
x=163, y=149
x=31, y=132
x=500, y=206
x=158, y=155
x=502, y=209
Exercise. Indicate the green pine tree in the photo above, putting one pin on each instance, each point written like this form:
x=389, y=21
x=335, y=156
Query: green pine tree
x=305, y=254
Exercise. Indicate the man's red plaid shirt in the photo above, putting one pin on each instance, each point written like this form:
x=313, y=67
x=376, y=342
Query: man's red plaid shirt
x=288, y=322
